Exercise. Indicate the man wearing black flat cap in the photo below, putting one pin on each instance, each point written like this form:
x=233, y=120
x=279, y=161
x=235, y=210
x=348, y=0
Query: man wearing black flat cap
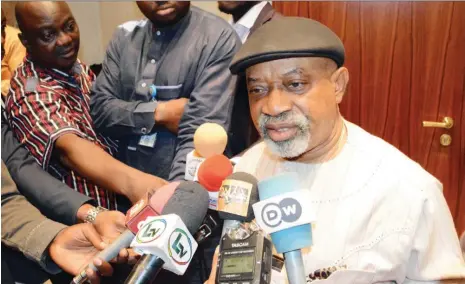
x=380, y=217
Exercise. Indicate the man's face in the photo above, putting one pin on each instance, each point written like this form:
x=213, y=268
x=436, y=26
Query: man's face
x=51, y=34
x=164, y=13
x=294, y=102
x=3, y=33
x=230, y=7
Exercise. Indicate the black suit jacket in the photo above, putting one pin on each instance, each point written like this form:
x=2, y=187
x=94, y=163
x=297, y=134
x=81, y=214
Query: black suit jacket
x=267, y=14
x=52, y=197
x=242, y=132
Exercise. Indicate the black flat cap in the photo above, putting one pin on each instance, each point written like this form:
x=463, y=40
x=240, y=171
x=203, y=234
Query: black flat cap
x=288, y=37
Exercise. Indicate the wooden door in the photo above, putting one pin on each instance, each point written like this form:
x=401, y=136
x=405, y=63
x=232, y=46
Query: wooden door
x=407, y=65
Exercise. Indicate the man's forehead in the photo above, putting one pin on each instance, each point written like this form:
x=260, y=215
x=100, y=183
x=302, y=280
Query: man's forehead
x=37, y=14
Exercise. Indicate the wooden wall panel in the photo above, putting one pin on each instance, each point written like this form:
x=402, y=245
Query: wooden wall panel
x=406, y=65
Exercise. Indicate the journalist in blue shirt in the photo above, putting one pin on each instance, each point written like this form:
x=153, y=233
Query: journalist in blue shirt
x=162, y=77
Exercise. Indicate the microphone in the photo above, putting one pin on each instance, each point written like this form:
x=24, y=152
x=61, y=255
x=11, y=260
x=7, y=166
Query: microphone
x=211, y=174
x=151, y=205
x=193, y=160
x=209, y=139
x=281, y=214
x=166, y=240
x=245, y=252
x=237, y=194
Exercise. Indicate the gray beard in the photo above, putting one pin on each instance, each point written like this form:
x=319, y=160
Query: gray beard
x=293, y=147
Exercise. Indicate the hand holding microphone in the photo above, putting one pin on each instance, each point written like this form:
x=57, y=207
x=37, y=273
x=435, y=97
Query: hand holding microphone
x=166, y=241
x=151, y=205
x=74, y=246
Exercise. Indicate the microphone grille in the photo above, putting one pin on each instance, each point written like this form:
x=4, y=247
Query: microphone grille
x=190, y=203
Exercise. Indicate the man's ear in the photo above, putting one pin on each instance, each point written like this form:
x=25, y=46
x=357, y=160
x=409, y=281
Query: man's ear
x=340, y=78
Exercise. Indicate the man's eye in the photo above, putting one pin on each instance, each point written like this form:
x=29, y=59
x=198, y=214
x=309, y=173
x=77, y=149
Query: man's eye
x=47, y=37
x=70, y=26
x=296, y=85
x=256, y=90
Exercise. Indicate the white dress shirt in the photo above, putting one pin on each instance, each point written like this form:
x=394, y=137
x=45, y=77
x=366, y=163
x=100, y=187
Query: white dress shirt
x=379, y=214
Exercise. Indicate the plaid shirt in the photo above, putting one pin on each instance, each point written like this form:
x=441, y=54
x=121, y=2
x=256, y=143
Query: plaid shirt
x=44, y=104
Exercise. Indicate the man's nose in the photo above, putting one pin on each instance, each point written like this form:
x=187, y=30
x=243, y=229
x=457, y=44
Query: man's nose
x=277, y=103
x=64, y=39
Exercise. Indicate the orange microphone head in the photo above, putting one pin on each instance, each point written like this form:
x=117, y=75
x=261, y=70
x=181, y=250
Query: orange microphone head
x=210, y=139
x=213, y=171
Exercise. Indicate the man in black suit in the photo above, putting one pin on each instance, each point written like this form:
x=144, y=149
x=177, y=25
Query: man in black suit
x=247, y=16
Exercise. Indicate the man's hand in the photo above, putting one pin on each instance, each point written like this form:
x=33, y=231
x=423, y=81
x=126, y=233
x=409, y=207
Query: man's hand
x=74, y=247
x=211, y=279
x=169, y=113
x=109, y=225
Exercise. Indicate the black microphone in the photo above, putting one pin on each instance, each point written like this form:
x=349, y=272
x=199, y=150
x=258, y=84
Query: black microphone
x=146, y=269
x=163, y=239
x=245, y=252
x=237, y=194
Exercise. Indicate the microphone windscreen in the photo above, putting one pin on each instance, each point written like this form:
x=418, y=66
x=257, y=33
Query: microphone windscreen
x=210, y=139
x=213, y=171
x=161, y=196
x=190, y=203
x=238, y=183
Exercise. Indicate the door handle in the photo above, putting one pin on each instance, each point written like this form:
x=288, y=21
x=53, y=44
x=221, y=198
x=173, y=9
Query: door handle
x=447, y=122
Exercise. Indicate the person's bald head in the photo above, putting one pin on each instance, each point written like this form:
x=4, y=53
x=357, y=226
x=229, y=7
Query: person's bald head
x=49, y=32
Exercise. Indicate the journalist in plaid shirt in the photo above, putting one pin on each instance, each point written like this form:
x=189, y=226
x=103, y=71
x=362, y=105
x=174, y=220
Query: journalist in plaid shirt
x=45, y=104
x=48, y=110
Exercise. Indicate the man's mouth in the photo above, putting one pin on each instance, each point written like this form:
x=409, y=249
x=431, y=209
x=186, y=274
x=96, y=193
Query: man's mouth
x=164, y=8
x=70, y=52
x=163, y=11
x=281, y=132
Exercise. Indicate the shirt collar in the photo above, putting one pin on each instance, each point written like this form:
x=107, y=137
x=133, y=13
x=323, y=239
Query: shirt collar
x=248, y=20
x=75, y=70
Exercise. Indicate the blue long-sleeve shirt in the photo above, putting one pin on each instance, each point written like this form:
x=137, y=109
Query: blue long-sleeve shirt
x=187, y=60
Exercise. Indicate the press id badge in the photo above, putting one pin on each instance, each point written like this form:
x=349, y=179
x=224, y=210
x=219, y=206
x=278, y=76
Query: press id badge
x=148, y=140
